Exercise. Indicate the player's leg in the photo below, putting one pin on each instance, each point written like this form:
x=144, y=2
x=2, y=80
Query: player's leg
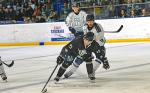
x=2, y=72
x=89, y=67
x=97, y=62
x=73, y=67
x=61, y=70
x=67, y=62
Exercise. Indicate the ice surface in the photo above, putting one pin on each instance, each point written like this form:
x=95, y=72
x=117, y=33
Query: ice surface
x=129, y=72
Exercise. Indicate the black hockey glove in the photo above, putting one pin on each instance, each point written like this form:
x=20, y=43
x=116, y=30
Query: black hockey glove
x=105, y=64
x=78, y=34
x=72, y=30
x=87, y=58
x=59, y=60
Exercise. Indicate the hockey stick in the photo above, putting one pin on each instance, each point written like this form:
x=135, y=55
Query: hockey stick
x=115, y=31
x=44, y=89
x=9, y=65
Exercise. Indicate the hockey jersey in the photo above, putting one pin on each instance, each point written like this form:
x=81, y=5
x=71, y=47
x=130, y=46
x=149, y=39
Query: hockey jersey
x=98, y=32
x=76, y=21
x=76, y=48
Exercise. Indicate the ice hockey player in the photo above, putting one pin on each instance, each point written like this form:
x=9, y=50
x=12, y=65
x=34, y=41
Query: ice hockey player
x=98, y=31
x=82, y=48
x=2, y=72
x=76, y=20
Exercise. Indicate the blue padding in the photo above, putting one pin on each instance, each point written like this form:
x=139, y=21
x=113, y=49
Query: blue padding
x=78, y=61
x=41, y=43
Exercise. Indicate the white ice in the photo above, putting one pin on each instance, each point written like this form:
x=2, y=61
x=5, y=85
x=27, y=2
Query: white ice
x=129, y=72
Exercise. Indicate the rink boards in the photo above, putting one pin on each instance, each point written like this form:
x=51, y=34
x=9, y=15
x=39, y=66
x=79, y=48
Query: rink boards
x=134, y=30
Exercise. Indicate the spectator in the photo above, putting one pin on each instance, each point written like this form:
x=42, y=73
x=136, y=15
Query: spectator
x=1, y=14
x=111, y=9
x=132, y=14
x=122, y=13
x=53, y=16
x=143, y=12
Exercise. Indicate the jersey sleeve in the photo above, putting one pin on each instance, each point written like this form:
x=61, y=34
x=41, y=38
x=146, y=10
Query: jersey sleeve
x=85, y=29
x=84, y=14
x=68, y=20
x=69, y=49
x=96, y=49
x=100, y=36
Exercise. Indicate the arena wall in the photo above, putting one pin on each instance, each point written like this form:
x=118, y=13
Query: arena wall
x=134, y=30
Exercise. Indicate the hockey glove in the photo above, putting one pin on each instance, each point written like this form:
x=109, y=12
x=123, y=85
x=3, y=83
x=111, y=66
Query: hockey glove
x=59, y=60
x=87, y=58
x=72, y=30
x=105, y=64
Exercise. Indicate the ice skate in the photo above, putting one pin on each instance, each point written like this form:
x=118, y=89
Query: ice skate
x=56, y=80
x=4, y=77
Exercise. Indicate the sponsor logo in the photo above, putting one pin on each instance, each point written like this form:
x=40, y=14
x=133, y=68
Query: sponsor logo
x=57, y=29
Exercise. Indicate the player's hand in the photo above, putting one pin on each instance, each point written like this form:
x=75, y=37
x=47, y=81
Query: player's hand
x=87, y=58
x=59, y=60
x=72, y=30
x=106, y=64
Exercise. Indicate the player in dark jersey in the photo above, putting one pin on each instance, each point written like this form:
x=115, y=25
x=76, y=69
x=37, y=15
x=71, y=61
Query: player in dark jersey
x=82, y=48
x=97, y=29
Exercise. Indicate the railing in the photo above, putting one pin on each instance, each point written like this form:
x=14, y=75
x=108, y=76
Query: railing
x=119, y=11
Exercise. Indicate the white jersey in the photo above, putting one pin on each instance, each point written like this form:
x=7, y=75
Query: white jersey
x=99, y=35
x=76, y=21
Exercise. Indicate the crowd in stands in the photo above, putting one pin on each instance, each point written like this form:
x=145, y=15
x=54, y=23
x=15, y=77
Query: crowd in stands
x=30, y=11
x=37, y=11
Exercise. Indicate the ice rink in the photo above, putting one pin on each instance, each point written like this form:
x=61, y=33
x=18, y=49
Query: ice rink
x=129, y=72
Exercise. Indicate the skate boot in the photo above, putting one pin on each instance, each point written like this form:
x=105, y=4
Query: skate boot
x=56, y=79
x=91, y=77
x=4, y=77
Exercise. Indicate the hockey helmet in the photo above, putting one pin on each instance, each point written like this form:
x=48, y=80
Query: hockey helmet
x=90, y=17
x=75, y=4
x=89, y=36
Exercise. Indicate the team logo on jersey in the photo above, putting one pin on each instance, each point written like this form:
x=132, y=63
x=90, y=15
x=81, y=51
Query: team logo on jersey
x=82, y=52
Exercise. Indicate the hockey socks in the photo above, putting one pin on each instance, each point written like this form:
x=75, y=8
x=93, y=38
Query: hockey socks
x=89, y=67
x=96, y=65
x=73, y=68
x=61, y=71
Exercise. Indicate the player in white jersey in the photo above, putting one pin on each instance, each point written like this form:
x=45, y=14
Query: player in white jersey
x=2, y=71
x=76, y=20
x=98, y=31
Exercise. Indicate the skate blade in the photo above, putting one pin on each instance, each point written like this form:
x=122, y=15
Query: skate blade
x=55, y=84
x=5, y=81
x=92, y=81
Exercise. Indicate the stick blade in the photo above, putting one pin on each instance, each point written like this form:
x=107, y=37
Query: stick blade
x=120, y=28
x=11, y=64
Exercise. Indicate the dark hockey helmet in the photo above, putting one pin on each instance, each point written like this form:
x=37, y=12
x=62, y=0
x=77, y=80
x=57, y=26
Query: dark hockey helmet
x=75, y=4
x=90, y=17
x=89, y=36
